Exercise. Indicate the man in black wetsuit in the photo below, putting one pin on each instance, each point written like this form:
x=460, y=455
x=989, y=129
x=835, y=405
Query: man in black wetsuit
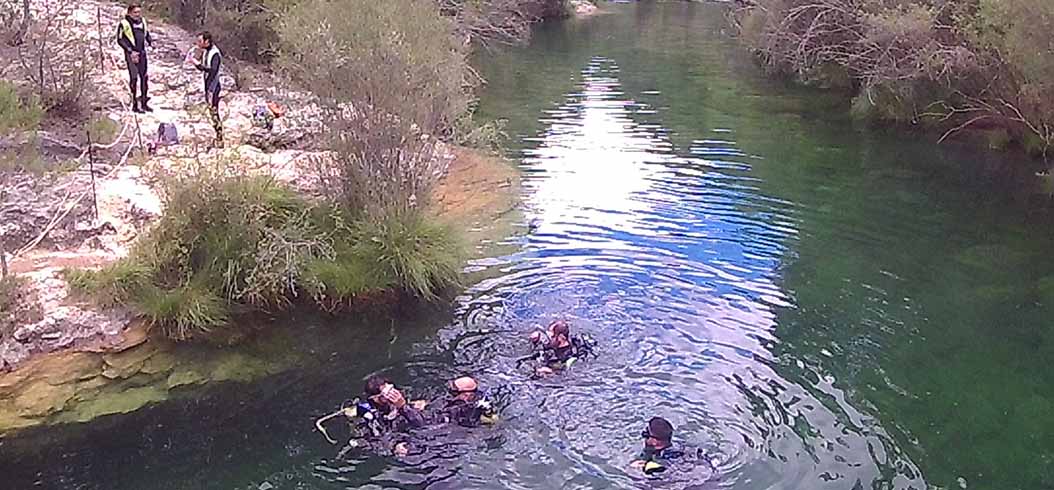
x=659, y=450
x=557, y=347
x=210, y=65
x=133, y=36
x=393, y=412
x=466, y=406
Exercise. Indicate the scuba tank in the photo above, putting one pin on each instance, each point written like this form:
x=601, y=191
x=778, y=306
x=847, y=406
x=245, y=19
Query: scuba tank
x=368, y=418
x=584, y=346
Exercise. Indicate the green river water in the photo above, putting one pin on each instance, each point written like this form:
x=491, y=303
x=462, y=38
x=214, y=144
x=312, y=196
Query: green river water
x=815, y=304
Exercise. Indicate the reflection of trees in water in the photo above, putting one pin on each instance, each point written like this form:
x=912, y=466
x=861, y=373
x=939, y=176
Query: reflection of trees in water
x=897, y=291
x=881, y=219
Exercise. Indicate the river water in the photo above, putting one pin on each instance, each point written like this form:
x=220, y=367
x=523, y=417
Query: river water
x=812, y=303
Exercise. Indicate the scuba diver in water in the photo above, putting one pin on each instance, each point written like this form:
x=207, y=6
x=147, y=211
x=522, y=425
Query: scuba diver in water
x=383, y=420
x=556, y=349
x=467, y=406
x=659, y=450
x=396, y=413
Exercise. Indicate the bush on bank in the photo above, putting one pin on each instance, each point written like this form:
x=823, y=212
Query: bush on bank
x=247, y=28
x=986, y=64
x=390, y=80
x=230, y=244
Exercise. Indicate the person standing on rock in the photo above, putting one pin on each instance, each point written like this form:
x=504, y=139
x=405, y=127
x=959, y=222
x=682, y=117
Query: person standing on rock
x=133, y=36
x=210, y=65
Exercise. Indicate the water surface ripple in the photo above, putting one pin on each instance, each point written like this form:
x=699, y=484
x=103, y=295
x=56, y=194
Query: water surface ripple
x=813, y=303
x=671, y=257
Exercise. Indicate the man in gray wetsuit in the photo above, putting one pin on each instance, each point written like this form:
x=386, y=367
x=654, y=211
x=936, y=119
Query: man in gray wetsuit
x=210, y=65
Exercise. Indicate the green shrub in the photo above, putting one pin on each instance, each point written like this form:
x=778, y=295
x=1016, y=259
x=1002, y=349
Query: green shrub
x=17, y=112
x=110, y=286
x=247, y=236
x=232, y=243
x=399, y=57
x=422, y=257
x=20, y=114
x=338, y=281
x=24, y=157
x=392, y=78
x=185, y=312
x=402, y=252
x=945, y=64
x=102, y=129
x=223, y=240
x=502, y=21
x=245, y=29
x=489, y=136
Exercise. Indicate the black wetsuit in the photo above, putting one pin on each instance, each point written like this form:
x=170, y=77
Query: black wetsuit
x=379, y=434
x=463, y=412
x=673, y=455
x=557, y=357
x=137, y=72
x=408, y=418
x=210, y=65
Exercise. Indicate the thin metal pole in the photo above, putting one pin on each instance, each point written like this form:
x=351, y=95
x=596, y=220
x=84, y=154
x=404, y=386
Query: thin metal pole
x=3, y=249
x=91, y=169
x=138, y=132
x=98, y=24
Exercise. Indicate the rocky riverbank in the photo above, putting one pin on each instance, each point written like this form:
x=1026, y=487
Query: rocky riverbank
x=70, y=361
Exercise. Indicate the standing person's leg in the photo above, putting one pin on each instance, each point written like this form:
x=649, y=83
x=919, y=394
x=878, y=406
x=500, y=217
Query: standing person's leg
x=143, y=82
x=213, y=97
x=133, y=80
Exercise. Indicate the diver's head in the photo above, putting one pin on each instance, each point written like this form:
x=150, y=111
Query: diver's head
x=375, y=385
x=382, y=393
x=658, y=435
x=560, y=332
x=464, y=387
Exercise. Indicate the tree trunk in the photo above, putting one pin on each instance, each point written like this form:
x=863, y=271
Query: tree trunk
x=23, y=29
x=3, y=261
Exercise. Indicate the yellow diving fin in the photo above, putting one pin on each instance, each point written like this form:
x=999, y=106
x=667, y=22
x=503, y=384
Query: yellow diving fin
x=489, y=419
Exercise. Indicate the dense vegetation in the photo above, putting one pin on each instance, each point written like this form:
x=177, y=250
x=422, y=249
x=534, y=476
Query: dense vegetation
x=389, y=82
x=949, y=65
x=230, y=243
x=249, y=28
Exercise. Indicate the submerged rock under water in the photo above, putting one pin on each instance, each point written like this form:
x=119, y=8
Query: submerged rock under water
x=66, y=387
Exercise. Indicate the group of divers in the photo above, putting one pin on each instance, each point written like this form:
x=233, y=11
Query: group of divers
x=382, y=420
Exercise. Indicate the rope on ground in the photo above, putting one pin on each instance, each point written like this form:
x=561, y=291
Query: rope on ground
x=97, y=146
x=69, y=206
